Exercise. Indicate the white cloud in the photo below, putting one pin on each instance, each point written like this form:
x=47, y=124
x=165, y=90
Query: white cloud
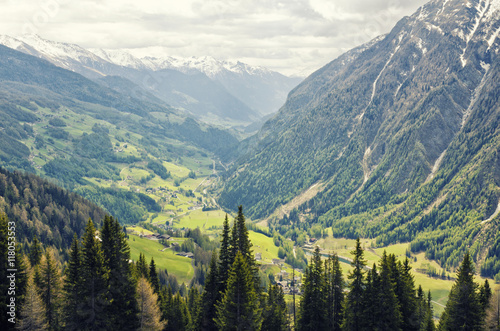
x=293, y=36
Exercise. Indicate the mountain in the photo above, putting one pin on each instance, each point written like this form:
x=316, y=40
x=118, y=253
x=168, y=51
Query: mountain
x=61, y=125
x=208, y=88
x=260, y=88
x=396, y=140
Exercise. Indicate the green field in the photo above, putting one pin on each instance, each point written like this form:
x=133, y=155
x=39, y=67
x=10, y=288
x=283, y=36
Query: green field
x=202, y=219
x=264, y=245
x=179, y=266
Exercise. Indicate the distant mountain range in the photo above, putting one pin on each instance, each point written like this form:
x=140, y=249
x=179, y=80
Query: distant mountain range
x=210, y=89
x=398, y=139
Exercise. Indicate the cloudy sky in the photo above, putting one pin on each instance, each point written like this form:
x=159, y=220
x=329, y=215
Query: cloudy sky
x=294, y=37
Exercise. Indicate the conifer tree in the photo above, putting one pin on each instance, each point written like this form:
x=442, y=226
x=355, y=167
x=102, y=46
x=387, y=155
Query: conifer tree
x=153, y=276
x=371, y=305
x=49, y=285
x=178, y=317
x=33, y=314
x=406, y=294
x=485, y=295
x=122, y=309
x=72, y=287
x=241, y=243
x=390, y=319
x=94, y=281
x=313, y=309
x=148, y=315
x=166, y=302
x=226, y=258
x=354, y=301
x=194, y=306
x=210, y=296
x=35, y=255
x=334, y=293
x=463, y=310
x=429, y=321
x=142, y=268
x=275, y=312
x=239, y=308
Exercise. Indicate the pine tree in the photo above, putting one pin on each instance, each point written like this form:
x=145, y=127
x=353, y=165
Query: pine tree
x=226, y=258
x=33, y=314
x=72, y=287
x=354, y=301
x=35, y=255
x=122, y=309
x=142, y=268
x=178, y=316
x=194, y=306
x=429, y=321
x=405, y=291
x=210, y=296
x=390, y=319
x=371, y=300
x=335, y=293
x=94, y=281
x=239, y=308
x=463, y=310
x=275, y=312
x=49, y=285
x=241, y=243
x=313, y=308
x=149, y=315
x=153, y=276
x=485, y=295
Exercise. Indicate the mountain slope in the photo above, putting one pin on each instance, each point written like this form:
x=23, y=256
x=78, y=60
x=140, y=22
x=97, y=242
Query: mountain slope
x=392, y=132
x=41, y=208
x=61, y=125
x=203, y=86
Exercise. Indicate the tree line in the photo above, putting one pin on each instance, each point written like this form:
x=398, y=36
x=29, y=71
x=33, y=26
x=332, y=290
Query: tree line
x=100, y=288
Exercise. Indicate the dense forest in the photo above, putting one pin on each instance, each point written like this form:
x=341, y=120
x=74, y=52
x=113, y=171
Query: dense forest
x=97, y=287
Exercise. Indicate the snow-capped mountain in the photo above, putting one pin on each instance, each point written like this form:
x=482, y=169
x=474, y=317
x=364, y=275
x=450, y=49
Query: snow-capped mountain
x=207, y=87
x=258, y=87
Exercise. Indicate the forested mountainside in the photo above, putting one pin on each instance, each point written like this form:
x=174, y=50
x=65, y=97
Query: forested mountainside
x=40, y=208
x=397, y=140
x=61, y=125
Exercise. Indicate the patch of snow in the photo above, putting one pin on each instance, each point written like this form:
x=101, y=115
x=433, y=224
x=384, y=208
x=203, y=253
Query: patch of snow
x=57, y=50
x=493, y=37
x=482, y=11
x=420, y=45
x=374, y=88
x=423, y=14
x=10, y=42
x=431, y=27
x=485, y=66
x=442, y=9
x=494, y=7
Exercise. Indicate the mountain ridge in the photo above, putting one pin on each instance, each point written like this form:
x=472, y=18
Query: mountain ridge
x=381, y=134
x=245, y=93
